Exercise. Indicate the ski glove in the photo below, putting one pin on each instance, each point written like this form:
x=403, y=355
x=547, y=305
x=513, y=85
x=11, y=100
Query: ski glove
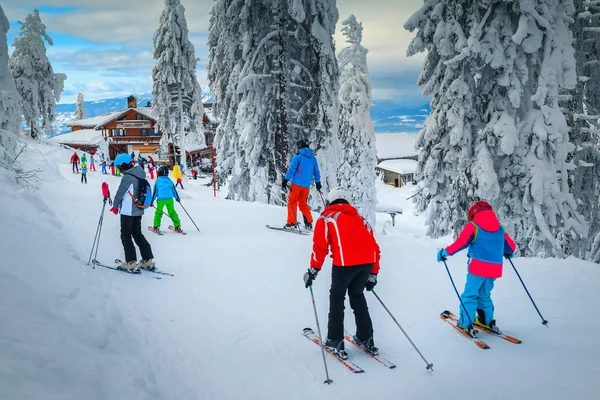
x=319, y=186
x=310, y=276
x=442, y=255
x=284, y=185
x=114, y=210
x=371, y=282
x=508, y=255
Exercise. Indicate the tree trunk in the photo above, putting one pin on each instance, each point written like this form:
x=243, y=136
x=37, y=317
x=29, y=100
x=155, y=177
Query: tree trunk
x=182, y=152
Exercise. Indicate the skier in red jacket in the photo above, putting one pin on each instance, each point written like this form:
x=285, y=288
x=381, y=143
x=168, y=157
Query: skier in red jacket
x=355, y=254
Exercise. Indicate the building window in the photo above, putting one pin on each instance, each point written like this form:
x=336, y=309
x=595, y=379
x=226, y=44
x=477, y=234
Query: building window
x=144, y=132
x=117, y=132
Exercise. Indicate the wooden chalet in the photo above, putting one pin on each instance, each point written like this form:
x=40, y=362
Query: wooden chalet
x=133, y=129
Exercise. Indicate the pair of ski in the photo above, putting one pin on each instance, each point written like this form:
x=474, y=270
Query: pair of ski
x=171, y=227
x=296, y=231
x=310, y=335
x=452, y=319
x=118, y=262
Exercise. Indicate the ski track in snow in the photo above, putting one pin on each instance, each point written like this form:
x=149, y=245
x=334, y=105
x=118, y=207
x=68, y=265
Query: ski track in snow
x=229, y=324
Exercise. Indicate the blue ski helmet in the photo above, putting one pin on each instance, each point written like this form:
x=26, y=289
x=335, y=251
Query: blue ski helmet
x=122, y=158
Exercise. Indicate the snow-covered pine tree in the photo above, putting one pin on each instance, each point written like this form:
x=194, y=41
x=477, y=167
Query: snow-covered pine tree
x=258, y=121
x=9, y=103
x=227, y=27
x=314, y=76
x=357, y=135
x=583, y=116
x=80, y=108
x=175, y=89
x=274, y=69
x=509, y=59
x=38, y=86
x=446, y=141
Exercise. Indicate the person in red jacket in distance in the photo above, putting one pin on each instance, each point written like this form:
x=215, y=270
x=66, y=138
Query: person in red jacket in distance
x=355, y=254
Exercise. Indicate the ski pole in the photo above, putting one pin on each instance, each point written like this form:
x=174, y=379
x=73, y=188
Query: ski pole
x=429, y=365
x=97, y=236
x=456, y=291
x=162, y=212
x=328, y=380
x=544, y=321
x=322, y=199
x=189, y=216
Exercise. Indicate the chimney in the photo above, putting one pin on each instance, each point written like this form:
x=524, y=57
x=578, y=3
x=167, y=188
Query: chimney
x=131, y=102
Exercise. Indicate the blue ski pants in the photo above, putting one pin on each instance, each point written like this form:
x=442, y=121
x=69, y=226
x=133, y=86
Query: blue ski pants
x=477, y=300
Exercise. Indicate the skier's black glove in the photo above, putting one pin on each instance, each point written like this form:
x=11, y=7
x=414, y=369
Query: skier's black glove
x=508, y=255
x=310, y=276
x=371, y=282
x=319, y=186
x=284, y=184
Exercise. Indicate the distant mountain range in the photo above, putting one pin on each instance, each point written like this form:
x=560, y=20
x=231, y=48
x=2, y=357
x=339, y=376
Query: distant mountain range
x=388, y=116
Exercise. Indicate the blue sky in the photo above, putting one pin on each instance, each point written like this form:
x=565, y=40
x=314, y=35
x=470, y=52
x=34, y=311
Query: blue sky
x=105, y=47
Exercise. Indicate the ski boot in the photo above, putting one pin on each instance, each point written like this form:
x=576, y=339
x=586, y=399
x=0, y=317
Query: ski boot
x=492, y=326
x=290, y=227
x=308, y=226
x=147, y=265
x=368, y=345
x=178, y=229
x=156, y=229
x=337, y=347
x=130, y=266
x=470, y=331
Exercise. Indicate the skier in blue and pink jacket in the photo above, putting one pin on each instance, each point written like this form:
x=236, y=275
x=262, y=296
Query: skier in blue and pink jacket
x=488, y=242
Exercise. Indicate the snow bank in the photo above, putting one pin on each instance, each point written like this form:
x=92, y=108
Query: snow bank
x=394, y=145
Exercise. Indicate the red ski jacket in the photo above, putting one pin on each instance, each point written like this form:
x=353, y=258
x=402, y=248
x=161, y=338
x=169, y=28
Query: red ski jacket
x=349, y=236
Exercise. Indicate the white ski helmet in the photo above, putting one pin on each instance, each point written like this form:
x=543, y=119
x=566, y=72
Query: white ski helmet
x=339, y=194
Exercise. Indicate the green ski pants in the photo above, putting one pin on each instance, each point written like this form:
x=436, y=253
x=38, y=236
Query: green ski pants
x=160, y=204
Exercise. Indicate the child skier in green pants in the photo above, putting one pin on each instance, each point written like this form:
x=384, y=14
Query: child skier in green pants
x=164, y=192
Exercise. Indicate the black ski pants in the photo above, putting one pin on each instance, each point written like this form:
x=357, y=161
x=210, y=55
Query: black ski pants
x=75, y=166
x=83, y=177
x=131, y=227
x=353, y=280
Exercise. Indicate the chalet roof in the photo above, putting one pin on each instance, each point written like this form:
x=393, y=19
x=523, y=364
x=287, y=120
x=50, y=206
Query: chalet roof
x=394, y=145
x=89, y=137
x=401, y=167
x=100, y=120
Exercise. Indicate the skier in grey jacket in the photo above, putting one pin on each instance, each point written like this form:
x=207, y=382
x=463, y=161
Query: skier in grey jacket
x=131, y=215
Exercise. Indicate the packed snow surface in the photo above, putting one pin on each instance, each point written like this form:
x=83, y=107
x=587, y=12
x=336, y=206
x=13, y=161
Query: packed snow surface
x=229, y=324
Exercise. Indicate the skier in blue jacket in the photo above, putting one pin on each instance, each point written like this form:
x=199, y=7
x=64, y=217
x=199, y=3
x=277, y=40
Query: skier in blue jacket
x=301, y=171
x=164, y=192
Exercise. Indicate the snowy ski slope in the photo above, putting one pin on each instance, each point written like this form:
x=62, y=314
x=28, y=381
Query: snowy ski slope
x=229, y=324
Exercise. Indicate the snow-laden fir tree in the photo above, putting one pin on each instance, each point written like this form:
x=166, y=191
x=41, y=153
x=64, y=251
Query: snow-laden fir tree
x=175, y=89
x=226, y=28
x=9, y=106
x=316, y=113
x=80, y=108
x=357, y=135
x=275, y=74
x=38, y=86
x=496, y=132
x=583, y=105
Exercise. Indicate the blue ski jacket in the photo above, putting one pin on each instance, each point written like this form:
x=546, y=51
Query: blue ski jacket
x=302, y=168
x=164, y=189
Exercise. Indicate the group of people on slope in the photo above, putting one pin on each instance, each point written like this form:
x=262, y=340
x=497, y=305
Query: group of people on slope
x=126, y=202
x=76, y=161
x=341, y=230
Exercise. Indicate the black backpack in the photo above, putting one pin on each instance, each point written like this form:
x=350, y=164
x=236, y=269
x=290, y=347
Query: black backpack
x=143, y=197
